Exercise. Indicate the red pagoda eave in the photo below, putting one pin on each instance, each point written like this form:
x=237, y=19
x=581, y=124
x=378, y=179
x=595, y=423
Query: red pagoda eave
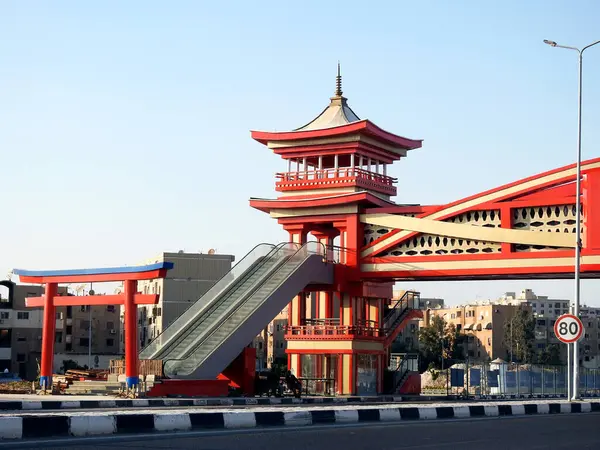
x=267, y=205
x=365, y=126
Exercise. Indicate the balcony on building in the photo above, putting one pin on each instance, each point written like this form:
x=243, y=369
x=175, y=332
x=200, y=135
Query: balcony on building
x=336, y=171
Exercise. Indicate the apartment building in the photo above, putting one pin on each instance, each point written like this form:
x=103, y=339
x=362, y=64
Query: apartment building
x=483, y=326
x=270, y=344
x=21, y=332
x=546, y=310
x=193, y=274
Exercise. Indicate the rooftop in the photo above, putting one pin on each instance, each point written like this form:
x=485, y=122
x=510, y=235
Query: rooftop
x=336, y=114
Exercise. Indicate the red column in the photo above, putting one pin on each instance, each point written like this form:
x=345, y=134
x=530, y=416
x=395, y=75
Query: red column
x=506, y=222
x=48, y=328
x=131, y=334
x=591, y=217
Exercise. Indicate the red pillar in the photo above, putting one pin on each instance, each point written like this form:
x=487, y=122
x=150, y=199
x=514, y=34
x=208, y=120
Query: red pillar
x=48, y=328
x=131, y=334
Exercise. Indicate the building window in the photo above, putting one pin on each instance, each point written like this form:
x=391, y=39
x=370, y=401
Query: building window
x=110, y=325
x=84, y=342
x=59, y=316
x=20, y=357
x=110, y=308
x=68, y=347
x=21, y=339
x=458, y=314
x=85, y=324
x=110, y=342
x=4, y=315
x=5, y=338
x=453, y=316
x=23, y=315
x=58, y=337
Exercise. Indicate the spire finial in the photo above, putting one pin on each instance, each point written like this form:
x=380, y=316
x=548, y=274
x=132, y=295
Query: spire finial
x=338, y=82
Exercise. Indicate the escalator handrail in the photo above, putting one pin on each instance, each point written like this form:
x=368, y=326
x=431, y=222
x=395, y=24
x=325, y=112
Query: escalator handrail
x=215, y=287
x=240, y=304
x=215, y=323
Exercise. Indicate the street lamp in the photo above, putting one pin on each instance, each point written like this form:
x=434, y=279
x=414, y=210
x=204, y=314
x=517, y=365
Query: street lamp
x=575, y=383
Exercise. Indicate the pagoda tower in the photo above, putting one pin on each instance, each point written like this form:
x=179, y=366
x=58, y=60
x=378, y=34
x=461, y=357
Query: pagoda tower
x=336, y=169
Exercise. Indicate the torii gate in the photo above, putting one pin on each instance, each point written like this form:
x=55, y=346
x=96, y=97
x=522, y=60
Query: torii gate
x=130, y=298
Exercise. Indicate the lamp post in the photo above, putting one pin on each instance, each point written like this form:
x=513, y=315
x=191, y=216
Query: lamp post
x=575, y=383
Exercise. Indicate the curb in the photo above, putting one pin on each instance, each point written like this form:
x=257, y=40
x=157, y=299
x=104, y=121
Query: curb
x=7, y=405
x=78, y=425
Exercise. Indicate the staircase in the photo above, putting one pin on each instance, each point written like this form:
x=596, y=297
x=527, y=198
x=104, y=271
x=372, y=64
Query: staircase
x=399, y=313
x=211, y=333
x=401, y=366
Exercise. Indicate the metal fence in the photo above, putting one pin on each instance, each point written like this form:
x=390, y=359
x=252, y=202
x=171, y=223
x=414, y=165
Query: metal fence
x=506, y=380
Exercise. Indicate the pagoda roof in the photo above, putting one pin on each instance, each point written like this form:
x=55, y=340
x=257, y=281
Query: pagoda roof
x=336, y=114
x=335, y=120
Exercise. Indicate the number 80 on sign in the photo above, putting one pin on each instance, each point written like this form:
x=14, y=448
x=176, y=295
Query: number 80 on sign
x=568, y=328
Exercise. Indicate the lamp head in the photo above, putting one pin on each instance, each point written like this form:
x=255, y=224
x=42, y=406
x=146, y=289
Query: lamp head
x=550, y=43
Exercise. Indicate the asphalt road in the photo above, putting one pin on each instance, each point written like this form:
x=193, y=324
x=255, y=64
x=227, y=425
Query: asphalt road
x=556, y=432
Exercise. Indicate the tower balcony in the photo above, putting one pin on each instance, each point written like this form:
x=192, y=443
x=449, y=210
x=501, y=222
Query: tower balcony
x=335, y=178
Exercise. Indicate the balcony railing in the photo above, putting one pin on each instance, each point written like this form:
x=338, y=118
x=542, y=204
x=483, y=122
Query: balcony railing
x=345, y=176
x=333, y=331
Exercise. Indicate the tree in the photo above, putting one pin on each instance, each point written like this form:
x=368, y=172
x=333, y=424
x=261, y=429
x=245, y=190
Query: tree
x=519, y=336
x=438, y=342
x=550, y=355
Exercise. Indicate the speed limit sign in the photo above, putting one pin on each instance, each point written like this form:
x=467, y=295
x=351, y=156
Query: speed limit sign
x=568, y=328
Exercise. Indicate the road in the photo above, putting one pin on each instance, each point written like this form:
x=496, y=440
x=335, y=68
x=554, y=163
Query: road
x=556, y=432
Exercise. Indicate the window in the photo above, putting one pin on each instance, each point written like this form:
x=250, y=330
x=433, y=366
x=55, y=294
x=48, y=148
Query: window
x=110, y=325
x=110, y=342
x=4, y=315
x=68, y=347
x=453, y=316
x=489, y=341
x=110, y=308
x=23, y=315
x=84, y=342
x=5, y=338
x=84, y=324
x=58, y=337
x=458, y=314
x=541, y=322
x=20, y=357
x=69, y=329
x=21, y=339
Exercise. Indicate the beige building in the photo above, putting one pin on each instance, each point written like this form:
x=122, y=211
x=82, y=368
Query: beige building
x=482, y=324
x=271, y=344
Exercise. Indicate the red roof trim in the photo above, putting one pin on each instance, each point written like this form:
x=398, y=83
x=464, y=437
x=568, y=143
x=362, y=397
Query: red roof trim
x=267, y=205
x=363, y=125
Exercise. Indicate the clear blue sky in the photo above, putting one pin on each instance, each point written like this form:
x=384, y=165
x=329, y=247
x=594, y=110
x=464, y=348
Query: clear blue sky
x=124, y=126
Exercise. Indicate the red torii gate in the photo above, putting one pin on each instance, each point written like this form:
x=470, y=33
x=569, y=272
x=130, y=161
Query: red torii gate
x=130, y=298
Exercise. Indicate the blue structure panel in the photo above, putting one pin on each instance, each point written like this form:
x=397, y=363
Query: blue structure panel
x=101, y=271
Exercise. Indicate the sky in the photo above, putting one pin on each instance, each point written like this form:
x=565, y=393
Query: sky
x=124, y=126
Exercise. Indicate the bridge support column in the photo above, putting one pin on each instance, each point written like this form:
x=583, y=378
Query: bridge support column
x=48, y=331
x=131, y=334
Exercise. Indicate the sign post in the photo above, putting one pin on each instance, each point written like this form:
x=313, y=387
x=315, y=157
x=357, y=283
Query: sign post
x=568, y=329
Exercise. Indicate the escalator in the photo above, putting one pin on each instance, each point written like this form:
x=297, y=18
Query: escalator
x=211, y=333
